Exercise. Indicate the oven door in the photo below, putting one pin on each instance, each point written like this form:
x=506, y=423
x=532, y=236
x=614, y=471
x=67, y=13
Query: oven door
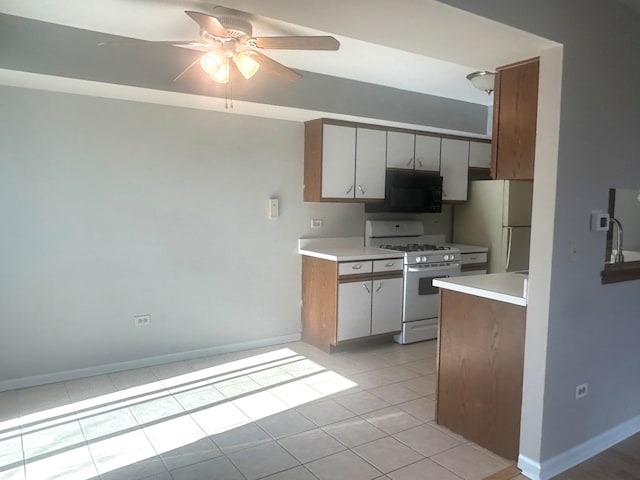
x=420, y=296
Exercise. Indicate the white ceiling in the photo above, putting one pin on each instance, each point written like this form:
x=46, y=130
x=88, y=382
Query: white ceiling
x=356, y=59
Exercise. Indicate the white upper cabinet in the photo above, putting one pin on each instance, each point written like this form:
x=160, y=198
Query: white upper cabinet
x=427, y=153
x=371, y=146
x=400, y=150
x=338, y=161
x=454, y=168
x=479, y=154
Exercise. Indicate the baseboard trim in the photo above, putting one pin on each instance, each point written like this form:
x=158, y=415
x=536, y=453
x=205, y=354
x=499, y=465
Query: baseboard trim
x=66, y=375
x=578, y=454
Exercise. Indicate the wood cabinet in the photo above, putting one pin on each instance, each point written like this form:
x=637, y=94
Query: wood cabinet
x=480, y=368
x=344, y=302
x=413, y=151
x=343, y=162
x=515, y=112
x=454, y=168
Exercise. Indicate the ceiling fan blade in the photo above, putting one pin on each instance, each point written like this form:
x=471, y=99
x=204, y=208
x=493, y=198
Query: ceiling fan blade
x=298, y=43
x=192, y=72
x=176, y=43
x=275, y=68
x=209, y=23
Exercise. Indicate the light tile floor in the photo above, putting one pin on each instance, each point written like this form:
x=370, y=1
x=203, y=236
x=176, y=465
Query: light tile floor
x=288, y=412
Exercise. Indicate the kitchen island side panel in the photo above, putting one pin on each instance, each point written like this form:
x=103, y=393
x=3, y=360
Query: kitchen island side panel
x=319, y=301
x=480, y=367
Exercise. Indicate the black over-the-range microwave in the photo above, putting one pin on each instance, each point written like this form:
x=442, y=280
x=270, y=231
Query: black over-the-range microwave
x=410, y=192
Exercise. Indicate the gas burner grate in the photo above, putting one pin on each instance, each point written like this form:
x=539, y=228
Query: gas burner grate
x=415, y=247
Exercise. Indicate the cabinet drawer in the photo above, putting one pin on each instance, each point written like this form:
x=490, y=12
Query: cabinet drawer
x=388, y=265
x=471, y=258
x=355, y=268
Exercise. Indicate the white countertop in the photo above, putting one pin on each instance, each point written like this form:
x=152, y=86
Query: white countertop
x=504, y=287
x=343, y=249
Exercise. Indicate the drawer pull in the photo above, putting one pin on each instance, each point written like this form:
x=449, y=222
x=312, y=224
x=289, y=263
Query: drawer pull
x=390, y=264
x=357, y=266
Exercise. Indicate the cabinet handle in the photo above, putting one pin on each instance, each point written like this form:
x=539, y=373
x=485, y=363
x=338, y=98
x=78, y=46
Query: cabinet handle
x=361, y=189
x=410, y=162
x=379, y=287
x=357, y=266
x=350, y=188
x=390, y=264
x=419, y=162
x=366, y=287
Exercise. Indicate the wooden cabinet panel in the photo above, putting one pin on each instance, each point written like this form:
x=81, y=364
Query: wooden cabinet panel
x=400, y=150
x=514, y=120
x=371, y=151
x=427, y=155
x=386, y=306
x=480, y=367
x=338, y=161
x=454, y=168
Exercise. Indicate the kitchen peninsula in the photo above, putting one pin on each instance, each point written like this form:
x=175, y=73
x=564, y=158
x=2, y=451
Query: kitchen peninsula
x=480, y=358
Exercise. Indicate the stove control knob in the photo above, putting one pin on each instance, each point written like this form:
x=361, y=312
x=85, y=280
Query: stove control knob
x=424, y=259
x=446, y=257
x=418, y=259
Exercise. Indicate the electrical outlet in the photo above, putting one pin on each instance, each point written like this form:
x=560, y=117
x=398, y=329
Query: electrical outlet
x=582, y=390
x=316, y=223
x=142, y=320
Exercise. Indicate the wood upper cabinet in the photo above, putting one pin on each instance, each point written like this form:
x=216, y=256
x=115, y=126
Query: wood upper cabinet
x=515, y=112
x=343, y=162
x=454, y=168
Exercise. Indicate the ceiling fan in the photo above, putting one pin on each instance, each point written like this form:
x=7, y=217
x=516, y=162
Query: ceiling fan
x=228, y=43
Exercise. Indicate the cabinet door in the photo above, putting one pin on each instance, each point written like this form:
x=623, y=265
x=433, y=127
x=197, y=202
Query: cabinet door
x=515, y=111
x=371, y=151
x=338, y=161
x=386, y=307
x=400, y=150
x=354, y=310
x=454, y=168
x=479, y=155
x=427, y=156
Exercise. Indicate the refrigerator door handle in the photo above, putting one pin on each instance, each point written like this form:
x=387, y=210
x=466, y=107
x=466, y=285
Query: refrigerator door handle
x=508, y=259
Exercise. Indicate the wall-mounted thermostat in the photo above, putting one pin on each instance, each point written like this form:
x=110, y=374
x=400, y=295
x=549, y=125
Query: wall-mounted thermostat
x=599, y=221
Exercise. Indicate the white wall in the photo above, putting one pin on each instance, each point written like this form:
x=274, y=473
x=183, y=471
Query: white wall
x=112, y=209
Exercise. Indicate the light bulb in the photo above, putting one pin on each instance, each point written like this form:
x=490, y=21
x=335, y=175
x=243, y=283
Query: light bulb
x=211, y=62
x=247, y=65
x=221, y=75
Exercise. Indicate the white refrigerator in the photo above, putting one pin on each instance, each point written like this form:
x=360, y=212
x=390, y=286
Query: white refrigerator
x=497, y=215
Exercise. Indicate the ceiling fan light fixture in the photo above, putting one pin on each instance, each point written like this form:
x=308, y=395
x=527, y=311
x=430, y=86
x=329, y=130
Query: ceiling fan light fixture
x=246, y=64
x=221, y=74
x=482, y=80
x=211, y=62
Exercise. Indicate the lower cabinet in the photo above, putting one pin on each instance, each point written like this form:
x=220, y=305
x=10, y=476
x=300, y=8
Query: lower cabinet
x=350, y=301
x=369, y=307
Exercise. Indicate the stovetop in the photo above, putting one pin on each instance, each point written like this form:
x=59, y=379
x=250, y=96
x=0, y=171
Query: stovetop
x=416, y=247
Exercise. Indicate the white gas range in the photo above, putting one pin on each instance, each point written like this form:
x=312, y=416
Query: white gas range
x=425, y=259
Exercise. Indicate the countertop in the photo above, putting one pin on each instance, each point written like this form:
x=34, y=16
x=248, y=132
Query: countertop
x=343, y=249
x=504, y=287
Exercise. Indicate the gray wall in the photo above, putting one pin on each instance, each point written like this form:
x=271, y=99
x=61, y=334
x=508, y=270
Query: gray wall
x=592, y=329
x=112, y=209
